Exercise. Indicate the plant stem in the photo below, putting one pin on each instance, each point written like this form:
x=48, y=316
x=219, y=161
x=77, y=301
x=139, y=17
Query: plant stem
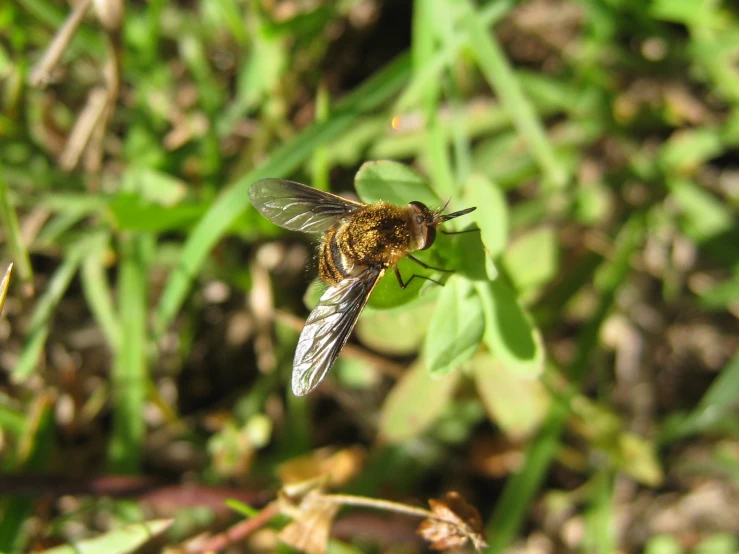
x=379, y=504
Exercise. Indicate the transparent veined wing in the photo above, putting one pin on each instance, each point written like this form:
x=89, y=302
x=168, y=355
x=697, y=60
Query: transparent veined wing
x=299, y=207
x=328, y=327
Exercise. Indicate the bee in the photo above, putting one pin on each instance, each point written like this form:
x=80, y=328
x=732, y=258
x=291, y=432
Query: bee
x=360, y=243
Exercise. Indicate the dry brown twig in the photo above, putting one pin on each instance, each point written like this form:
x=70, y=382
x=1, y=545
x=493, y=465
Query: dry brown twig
x=450, y=523
x=86, y=138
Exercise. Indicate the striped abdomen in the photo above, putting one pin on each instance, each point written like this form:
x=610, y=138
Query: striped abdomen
x=332, y=265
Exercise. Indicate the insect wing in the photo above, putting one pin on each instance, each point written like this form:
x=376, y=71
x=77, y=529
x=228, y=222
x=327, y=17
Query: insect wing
x=328, y=327
x=299, y=207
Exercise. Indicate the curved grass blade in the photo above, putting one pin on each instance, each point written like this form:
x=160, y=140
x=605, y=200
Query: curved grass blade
x=500, y=76
x=97, y=292
x=15, y=239
x=129, y=377
x=45, y=306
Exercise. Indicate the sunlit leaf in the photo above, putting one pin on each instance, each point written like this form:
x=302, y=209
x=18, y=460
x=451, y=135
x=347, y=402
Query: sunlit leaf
x=466, y=255
x=491, y=215
x=132, y=212
x=532, y=260
x=395, y=183
x=119, y=541
x=397, y=331
x=514, y=402
x=509, y=332
x=408, y=410
x=456, y=328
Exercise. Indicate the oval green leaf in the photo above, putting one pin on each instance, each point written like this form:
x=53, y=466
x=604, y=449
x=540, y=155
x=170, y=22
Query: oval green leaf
x=119, y=541
x=456, y=328
x=399, y=331
x=393, y=182
x=491, y=215
x=533, y=259
x=509, y=332
x=465, y=254
x=388, y=294
x=516, y=403
x=415, y=403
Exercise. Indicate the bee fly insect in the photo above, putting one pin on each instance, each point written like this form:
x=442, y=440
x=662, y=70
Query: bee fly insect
x=360, y=242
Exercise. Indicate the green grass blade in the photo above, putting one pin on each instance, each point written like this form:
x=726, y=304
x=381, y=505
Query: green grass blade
x=15, y=239
x=39, y=328
x=521, y=487
x=718, y=402
x=129, y=376
x=321, y=164
x=423, y=48
x=233, y=201
x=433, y=68
x=11, y=419
x=97, y=292
x=501, y=78
x=599, y=537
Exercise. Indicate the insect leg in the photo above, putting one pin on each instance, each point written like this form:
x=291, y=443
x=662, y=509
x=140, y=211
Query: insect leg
x=408, y=282
x=458, y=232
x=426, y=266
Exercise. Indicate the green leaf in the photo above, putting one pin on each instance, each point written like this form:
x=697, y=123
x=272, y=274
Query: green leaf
x=393, y=182
x=721, y=294
x=132, y=212
x=636, y=457
x=265, y=65
x=508, y=330
x=516, y=403
x=680, y=11
x=663, y=544
x=388, y=294
x=154, y=186
x=705, y=216
x=491, y=214
x=397, y=331
x=718, y=543
x=415, y=402
x=466, y=255
x=456, y=328
x=125, y=540
x=592, y=204
x=532, y=260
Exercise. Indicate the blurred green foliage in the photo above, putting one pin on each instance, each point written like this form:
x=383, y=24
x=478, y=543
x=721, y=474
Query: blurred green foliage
x=578, y=369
